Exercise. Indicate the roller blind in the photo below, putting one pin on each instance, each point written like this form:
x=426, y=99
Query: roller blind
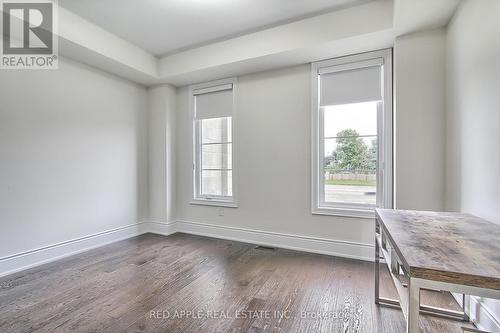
x=351, y=86
x=214, y=102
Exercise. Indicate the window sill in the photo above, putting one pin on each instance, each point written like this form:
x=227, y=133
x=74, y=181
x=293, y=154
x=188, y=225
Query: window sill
x=345, y=212
x=216, y=203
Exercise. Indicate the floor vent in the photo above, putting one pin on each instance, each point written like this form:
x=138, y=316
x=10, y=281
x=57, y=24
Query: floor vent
x=266, y=248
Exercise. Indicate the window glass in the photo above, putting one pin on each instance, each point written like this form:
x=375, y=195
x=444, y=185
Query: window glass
x=350, y=153
x=215, y=160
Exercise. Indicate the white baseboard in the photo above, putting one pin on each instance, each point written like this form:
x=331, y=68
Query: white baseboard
x=32, y=258
x=160, y=227
x=480, y=315
x=29, y=259
x=293, y=242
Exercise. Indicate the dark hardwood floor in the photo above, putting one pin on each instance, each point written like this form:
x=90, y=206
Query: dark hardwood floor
x=184, y=283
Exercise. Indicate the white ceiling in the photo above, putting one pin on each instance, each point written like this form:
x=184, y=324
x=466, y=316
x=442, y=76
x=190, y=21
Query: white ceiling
x=166, y=26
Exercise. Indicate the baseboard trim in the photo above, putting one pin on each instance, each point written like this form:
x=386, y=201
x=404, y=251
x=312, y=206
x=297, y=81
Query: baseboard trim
x=331, y=247
x=161, y=227
x=28, y=259
x=480, y=315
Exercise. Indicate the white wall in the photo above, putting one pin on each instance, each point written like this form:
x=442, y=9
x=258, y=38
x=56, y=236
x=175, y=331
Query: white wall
x=419, y=80
x=162, y=153
x=274, y=157
x=73, y=150
x=473, y=118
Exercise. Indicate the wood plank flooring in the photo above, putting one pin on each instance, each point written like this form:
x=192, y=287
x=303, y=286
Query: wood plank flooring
x=185, y=283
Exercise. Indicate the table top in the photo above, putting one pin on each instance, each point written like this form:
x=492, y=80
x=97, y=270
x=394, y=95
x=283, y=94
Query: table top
x=448, y=247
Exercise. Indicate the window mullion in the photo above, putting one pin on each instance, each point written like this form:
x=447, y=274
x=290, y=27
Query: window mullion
x=350, y=137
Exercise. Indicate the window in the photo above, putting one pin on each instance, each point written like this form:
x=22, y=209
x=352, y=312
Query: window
x=352, y=134
x=213, y=108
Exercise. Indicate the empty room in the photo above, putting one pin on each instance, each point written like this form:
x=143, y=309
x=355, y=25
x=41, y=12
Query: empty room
x=250, y=166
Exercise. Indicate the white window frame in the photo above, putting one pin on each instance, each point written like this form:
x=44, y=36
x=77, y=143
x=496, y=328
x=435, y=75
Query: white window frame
x=385, y=136
x=197, y=198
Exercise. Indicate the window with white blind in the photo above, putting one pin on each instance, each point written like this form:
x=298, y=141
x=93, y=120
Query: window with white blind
x=213, y=161
x=352, y=134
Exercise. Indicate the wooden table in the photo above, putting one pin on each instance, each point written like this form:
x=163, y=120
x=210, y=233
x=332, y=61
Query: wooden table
x=455, y=252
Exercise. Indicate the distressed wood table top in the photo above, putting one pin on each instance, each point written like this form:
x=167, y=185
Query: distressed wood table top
x=448, y=247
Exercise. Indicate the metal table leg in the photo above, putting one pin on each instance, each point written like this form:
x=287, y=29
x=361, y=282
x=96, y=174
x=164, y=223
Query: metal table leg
x=413, y=306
